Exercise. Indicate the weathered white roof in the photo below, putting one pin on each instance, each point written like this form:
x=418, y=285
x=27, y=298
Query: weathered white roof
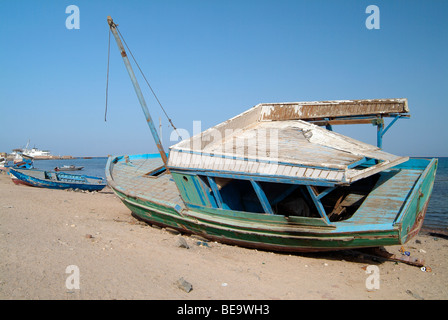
x=269, y=140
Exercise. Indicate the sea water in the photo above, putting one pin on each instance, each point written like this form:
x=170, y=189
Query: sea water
x=92, y=167
x=436, y=215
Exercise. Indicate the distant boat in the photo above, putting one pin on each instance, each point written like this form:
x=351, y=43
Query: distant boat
x=68, y=168
x=2, y=163
x=33, y=152
x=56, y=180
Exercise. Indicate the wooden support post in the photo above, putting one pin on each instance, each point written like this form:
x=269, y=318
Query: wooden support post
x=262, y=197
x=215, y=190
x=318, y=203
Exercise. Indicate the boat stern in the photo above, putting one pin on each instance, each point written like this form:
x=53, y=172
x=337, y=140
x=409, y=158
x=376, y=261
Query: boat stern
x=410, y=219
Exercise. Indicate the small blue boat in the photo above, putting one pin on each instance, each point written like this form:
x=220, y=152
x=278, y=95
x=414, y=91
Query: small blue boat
x=26, y=163
x=56, y=180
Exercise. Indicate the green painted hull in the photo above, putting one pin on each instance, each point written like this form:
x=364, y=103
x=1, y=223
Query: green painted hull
x=278, y=233
x=265, y=237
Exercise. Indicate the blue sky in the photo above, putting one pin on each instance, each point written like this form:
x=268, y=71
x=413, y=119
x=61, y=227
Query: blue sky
x=211, y=60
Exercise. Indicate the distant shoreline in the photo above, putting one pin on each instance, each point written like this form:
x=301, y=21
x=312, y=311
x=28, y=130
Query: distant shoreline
x=67, y=158
x=63, y=158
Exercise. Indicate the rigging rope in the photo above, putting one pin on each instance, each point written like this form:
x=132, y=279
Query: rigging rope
x=107, y=77
x=144, y=77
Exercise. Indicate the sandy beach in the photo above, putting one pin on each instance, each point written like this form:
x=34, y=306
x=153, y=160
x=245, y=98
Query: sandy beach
x=43, y=232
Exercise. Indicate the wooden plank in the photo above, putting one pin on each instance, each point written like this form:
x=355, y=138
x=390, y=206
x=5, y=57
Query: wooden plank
x=328, y=109
x=342, y=122
x=132, y=178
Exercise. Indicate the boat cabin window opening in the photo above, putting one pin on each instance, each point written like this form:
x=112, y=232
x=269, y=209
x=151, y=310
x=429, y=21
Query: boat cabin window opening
x=206, y=184
x=156, y=172
x=338, y=203
x=289, y=200
x=238, y=195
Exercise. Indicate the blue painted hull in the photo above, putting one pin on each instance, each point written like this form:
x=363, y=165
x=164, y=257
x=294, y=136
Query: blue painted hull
x=37, y=178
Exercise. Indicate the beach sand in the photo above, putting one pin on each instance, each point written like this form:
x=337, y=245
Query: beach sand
x=43, y=231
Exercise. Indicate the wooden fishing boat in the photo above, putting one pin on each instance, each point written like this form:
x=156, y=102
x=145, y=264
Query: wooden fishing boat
x=56, y=180
x=278, y=177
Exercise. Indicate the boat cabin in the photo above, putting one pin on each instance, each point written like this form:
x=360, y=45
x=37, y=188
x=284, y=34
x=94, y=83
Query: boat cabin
x=284, y=158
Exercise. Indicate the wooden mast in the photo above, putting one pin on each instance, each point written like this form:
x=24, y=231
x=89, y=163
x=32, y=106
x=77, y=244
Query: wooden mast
x=138, y=91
